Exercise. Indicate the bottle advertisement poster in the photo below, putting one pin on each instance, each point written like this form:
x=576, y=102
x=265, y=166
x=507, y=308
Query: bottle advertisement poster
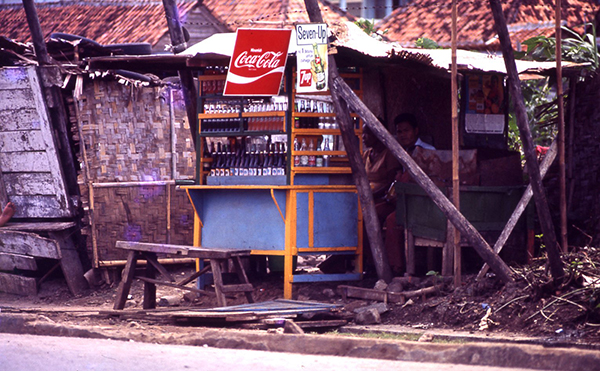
x=258, y=62
x=485, y=113
x=311, y=58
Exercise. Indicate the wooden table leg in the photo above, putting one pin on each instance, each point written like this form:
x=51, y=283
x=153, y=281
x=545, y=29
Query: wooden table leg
x=149, y=287
x=241, y=273
x=126, y=280
x=218, y=281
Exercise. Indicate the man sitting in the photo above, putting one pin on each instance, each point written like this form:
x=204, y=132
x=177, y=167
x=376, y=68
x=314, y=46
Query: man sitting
x=407, y=133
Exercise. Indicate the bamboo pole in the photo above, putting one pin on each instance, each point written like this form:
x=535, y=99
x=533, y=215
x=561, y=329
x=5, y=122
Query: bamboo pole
x=549, y=234
x=455, y=242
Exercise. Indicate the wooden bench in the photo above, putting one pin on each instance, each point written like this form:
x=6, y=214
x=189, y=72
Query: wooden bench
x=149, y=251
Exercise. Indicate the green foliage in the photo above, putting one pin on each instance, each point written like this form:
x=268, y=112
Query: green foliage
x=575, y=47
x=426, y=43
x=541, y=102
x=369, y=28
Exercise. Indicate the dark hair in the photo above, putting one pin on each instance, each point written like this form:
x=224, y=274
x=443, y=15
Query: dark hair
x=406, y=117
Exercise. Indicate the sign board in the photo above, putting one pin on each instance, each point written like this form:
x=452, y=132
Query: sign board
x=258, y=62
x=311, y=57
x=486, y=109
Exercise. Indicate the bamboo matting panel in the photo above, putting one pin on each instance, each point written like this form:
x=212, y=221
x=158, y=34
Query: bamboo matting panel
x=139, y=214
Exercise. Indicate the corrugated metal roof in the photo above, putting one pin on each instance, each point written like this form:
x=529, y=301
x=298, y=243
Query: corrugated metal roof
x=354, y=38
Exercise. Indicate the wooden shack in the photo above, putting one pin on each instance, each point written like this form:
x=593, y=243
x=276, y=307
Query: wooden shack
x=32, y=178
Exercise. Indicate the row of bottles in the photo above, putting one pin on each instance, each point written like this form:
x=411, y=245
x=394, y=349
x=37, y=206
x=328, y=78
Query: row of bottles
x=216, y=86
x=311, y=160
x=247, y=160
x=313, y=106
x=254, y=123
x=266, y=123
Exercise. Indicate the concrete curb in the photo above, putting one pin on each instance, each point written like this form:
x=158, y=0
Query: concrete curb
x=486, y=354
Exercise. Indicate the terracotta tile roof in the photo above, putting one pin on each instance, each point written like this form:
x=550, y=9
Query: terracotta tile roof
x=270, y=13
x=115, y=22
x=476, y=28
x=106, y=23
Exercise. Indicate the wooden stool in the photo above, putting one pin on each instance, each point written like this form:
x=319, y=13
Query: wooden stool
x=148, y=251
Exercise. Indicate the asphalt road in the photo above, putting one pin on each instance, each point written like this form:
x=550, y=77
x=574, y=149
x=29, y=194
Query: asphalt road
x=50, y=353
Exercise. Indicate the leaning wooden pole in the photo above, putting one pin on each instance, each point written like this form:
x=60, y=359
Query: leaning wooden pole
x=359, y=174
x=521, y=206
x=549, y=234
x=187, y=79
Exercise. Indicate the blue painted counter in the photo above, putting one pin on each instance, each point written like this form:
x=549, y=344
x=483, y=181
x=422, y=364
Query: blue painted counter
x=281, y=220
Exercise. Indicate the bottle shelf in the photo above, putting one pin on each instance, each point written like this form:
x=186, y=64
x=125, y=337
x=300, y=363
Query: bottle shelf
x=240, y=133
x=313, y=131
x=235, y=115
x=321, y=169
x=318, y=153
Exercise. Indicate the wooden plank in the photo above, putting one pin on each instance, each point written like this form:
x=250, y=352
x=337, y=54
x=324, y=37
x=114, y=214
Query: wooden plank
x=31, y=162
x=183, y=250
x=16, y=99
x=126, y=280
x=19, y=285
x=20, y=141
x=39, y=226
x=13, y=78
x=52, y=155
x=25, y=118
x=30, y=184
x=70, y=262
x=9, y=262
x=150, y=287
x=40, y=207
x=31, y=244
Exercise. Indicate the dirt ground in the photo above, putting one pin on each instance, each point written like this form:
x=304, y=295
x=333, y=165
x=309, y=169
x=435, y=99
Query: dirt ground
x=531, y=306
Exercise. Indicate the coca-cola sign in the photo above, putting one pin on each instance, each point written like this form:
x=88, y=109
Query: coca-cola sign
x=258, y=62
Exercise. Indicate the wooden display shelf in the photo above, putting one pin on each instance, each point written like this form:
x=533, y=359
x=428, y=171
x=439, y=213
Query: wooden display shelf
x=319, y=169
x=208, y=116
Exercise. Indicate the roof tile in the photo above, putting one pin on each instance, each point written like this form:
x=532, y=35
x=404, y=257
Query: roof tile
x=431, y=19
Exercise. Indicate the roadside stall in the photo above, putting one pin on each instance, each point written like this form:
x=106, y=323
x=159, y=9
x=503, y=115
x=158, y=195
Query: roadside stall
x=272, y=172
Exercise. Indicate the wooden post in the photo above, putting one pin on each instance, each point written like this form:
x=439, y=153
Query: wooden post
x=549, y=234
x=187, y=79
x=455, y=242
x=359, y=174
x=37, y=36
x=561, y=132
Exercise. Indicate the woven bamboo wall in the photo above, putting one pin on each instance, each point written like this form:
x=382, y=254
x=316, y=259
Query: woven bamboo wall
x=129, y=133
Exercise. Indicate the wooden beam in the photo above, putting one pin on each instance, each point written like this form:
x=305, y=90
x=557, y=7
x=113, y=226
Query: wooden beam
x=539, y=195
x=185, y=75
x=525, y=198
x=19, y=285
x=31, y=244
x=359, y=174
x=9, y=262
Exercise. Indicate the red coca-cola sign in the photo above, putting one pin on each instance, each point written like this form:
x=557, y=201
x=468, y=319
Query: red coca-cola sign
x=258, y=62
